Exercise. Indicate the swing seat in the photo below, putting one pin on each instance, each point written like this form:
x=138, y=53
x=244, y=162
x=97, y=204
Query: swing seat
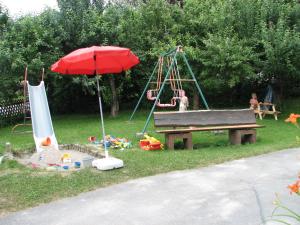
x=167, y=105
x=151, y=94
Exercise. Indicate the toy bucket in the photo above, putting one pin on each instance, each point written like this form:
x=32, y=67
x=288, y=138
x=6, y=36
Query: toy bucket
x=92, y=139
x=87, y=161
x=46, y=142
x=77, y=164
x=65, y=167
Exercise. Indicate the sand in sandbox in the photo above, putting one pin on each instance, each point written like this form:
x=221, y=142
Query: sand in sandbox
x=52, y=156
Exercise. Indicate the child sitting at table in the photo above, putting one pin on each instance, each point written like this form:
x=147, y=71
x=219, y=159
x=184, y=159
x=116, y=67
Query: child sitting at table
x=253, y=101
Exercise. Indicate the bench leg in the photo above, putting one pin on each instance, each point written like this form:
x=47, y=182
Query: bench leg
x=235, y=137
x=188, y=141
x=250, y=136
x=169, y=141
x=186, y=137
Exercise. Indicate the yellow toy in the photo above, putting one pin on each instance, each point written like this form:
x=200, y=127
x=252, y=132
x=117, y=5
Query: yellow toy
x=152, y=140
x=150, y=143
x=66, y=158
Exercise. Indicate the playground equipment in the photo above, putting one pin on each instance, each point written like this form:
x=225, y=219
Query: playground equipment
x=25, y=109
x=112, y=142
x=25, y=106
x=175, y=83
x=43, y=132
x=167, y=71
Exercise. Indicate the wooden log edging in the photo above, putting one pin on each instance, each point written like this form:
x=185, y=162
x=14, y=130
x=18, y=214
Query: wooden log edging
x=92, y=150
x=21, y=154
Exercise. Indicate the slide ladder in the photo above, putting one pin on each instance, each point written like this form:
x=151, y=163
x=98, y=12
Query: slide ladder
x=40, y=117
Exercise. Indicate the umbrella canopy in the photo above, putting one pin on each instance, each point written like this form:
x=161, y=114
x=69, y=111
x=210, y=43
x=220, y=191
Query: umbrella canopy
x=96, y=60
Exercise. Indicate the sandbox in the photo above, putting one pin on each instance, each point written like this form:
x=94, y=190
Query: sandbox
x=55, y=160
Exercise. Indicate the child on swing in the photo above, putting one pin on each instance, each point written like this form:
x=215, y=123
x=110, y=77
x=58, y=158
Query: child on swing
x=184, y=103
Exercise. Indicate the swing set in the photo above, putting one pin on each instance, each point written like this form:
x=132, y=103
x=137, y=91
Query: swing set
x=167, y=72
x=175, y=83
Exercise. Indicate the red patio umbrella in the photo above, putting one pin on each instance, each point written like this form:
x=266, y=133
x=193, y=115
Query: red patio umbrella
x=96, y=60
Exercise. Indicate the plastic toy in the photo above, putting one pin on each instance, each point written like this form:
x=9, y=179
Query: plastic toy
x=92, y=139
x=54, y=164
x=150, y=143
x=66, y=158
x=120, y=143
x=77, y=164
x=66, y=167
x=46, y=142
x=87, y=161
x=112, y=142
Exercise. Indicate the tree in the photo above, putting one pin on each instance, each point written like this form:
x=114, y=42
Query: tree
x=28, y=43
x=227, y=61
x=281, y=56
x=227, y=43
x=3, y=19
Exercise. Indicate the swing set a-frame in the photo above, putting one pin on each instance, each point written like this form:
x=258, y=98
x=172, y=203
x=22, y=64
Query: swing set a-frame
x=167, y=71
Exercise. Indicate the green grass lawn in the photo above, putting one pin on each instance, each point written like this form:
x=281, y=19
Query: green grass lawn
x=23, y=187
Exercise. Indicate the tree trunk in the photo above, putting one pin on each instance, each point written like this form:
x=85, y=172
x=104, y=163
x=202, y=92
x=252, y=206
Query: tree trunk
x=196, y=100
x=114, y=109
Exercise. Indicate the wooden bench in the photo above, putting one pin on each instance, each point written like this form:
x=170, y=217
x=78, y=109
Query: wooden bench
x=241, y=125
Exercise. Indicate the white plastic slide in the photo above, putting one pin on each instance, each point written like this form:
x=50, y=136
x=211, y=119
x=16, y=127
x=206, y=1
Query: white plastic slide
x=40, y=116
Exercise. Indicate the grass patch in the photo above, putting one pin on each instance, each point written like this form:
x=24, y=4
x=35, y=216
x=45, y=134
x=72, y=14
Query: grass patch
x=23, y=187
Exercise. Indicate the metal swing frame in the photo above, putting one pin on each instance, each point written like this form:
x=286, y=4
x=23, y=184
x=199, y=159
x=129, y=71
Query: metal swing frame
x=174, y=53
x=175, y=83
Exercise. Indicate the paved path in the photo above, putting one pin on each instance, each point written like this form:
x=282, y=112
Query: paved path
x=240, y=192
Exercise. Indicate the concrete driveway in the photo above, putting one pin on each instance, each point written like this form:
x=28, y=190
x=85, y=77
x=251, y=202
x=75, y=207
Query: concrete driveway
x=240, y=192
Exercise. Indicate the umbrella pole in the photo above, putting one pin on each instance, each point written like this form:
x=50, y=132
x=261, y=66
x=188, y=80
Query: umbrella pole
x=101, y=115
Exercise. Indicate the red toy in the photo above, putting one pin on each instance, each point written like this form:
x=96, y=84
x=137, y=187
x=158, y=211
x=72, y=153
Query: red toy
x=150, y=143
